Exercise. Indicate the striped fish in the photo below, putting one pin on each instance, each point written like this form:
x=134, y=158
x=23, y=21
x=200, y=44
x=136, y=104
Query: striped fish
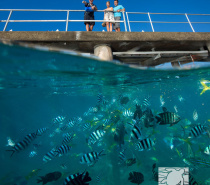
x=91, y=157
x=77, y=179
x=95, y=136
x=32, y=153
x=93, y=109
x=18, y=147
x=136, y=132
x=145, y=144
x=106, y=122
x=58, y=119
x=101, y=99
x=195, y=115
x=30, y=137
x=63, y=149
x=197, y=130
x=167, y=118
x=98, y=178
x=207, y=150
x=122, y=157
x=49, y=156
x=146, y=101
x=128, y=113
x=41, y=131
x=130, y=161
x=71, y=123
x=22, y=144
x=86, y=126
x=192, y=181
x=68, y=138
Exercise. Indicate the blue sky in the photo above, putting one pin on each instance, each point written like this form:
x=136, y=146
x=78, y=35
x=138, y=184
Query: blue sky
x=161, y=6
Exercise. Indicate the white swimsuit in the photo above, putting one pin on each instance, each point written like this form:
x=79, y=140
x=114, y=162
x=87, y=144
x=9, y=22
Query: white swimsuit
x=109, y=16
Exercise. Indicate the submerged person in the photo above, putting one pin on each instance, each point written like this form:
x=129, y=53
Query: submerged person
x=117, y=15
x=108, y=16
x=89, y=14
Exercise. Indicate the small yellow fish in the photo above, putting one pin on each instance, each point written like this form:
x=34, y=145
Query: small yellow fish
x=154, y=159
x=205, y=87
x=32, y=173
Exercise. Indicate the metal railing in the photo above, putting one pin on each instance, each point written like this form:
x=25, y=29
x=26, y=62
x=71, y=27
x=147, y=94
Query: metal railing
x=160, y=22
x=67, y=20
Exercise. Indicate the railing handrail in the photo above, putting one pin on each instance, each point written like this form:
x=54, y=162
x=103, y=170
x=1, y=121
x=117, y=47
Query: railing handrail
x=67, y=20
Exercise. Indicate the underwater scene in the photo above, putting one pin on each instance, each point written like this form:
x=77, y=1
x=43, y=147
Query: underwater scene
x=75, y=120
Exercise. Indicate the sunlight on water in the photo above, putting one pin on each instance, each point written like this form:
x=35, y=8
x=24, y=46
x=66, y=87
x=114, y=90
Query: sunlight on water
x=72, y=105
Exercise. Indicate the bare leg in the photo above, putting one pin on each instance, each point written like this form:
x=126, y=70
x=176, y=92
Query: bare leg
x=91, y=27
x=110, y=27
x=87, y=27
x=107, y=26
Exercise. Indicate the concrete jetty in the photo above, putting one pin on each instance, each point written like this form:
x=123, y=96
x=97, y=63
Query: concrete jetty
x=139, y=48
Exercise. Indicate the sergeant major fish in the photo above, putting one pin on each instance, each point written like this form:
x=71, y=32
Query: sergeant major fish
x=63, y=149
x=145, y=144
x=95, y=136
x=90, y=158
x=167, y=118
x=78, y=179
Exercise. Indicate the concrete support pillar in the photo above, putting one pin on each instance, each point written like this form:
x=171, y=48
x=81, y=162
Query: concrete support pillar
x=104, y=52
x=208, y=46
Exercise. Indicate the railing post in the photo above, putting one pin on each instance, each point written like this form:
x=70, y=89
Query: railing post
x=5, y=27
x=67, y=20
x=128, y=22
x=151, y=22
x=190, y=23
x=124, y=21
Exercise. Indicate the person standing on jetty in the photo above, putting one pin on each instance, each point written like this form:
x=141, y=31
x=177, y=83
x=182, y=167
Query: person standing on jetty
x=89, y=14
x=117, y=15
x=109, y=16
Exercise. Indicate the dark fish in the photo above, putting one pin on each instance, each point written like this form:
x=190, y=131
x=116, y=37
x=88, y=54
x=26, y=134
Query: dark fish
x=54, y=176
x=77, y=179
x=197, y=131
x=91, y=157
x=148, y=118
x=136, y=177
x=166, y=117
x=155, y=172
x=119, y=134
x=63, y=149
x=124, y=100
x=41, y=131
x=145, y=144
x=130, y=161
x=49, y=156
x=138, y=112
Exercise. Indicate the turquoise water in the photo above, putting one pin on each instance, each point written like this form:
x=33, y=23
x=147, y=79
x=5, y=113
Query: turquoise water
x=38, y=86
